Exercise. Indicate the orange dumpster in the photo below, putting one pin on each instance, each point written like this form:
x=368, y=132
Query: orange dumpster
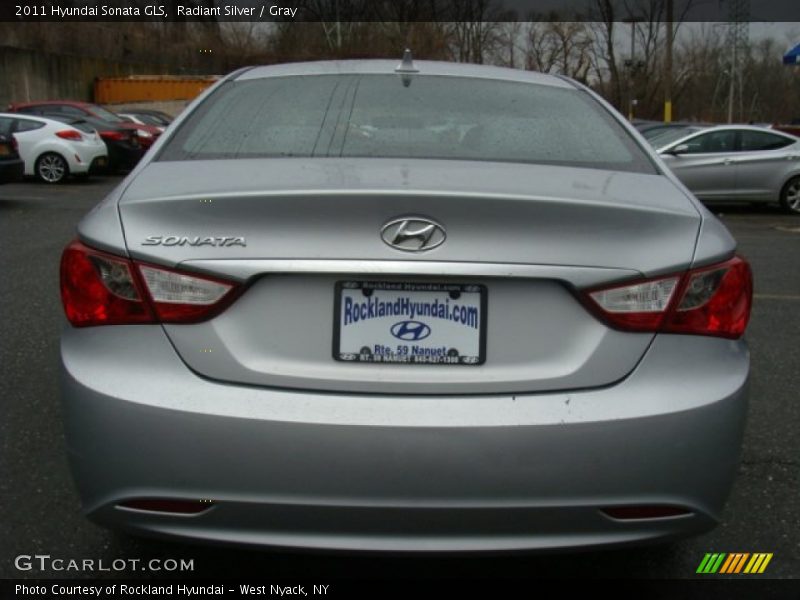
x=114, y=90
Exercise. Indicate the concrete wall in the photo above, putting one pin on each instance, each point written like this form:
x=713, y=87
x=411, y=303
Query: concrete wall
x=29, y=75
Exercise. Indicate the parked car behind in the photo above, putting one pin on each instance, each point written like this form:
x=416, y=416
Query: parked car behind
x=738, y=163
x=78, y=110
x=11, y=165
x=132, y=118
x=53, y=150
x=124, y=149
x=145, y=118
x=158, y=115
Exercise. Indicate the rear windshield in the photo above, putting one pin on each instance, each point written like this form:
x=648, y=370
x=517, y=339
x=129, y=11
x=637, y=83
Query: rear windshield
x=432, y=117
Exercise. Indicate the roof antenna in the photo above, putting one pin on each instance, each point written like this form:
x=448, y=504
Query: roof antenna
x=407, y=64
x=406, y=67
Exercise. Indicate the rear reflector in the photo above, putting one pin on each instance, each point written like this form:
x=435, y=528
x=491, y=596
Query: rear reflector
x=713, y=300
x=98, y=288
x=626, y=513
x=69, y=134
x=163, y=505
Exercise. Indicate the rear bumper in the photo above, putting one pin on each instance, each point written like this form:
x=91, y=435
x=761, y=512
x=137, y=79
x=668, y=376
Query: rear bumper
x=401, y=473
x=88, y=155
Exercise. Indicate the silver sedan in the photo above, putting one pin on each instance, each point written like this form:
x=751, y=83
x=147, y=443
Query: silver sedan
x=738, y=163
x=433, y=307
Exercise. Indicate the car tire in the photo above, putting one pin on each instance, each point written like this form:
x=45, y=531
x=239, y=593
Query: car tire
x=52, y=168
x=790, y=196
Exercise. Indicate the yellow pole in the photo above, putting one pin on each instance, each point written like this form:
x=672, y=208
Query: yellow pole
x=668, y=69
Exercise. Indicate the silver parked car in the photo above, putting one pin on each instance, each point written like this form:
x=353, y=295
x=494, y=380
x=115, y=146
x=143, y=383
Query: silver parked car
x=738, y=163
x=433, y=307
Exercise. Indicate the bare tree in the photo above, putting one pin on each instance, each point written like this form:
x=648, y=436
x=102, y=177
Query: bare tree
x=475, y=29
x=640, y=75
x=559, y=47
x=604, y=56
x=245, y=42
x=509, y=49
x=697, y=77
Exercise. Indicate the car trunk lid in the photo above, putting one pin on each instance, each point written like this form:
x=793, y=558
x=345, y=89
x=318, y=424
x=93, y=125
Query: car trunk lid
x=296, y=231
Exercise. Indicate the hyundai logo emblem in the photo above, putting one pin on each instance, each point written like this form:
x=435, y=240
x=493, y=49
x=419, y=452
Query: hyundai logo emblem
x=413, y=234
x=410, y=331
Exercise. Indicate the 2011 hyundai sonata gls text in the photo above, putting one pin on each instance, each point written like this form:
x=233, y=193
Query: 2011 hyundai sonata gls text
x=433, y=307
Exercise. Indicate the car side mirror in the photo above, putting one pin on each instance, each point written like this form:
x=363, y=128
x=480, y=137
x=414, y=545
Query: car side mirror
x=679, y=149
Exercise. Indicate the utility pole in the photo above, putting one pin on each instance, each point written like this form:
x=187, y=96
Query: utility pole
x=732, y=82
x=668, y=74
x=738, y=37
x=338, y=28
x=632, y=65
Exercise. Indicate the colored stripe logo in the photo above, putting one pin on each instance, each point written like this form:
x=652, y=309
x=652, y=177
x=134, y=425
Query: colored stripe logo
x=734, y=563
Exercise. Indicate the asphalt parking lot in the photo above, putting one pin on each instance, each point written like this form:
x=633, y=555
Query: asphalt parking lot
x=40, y=510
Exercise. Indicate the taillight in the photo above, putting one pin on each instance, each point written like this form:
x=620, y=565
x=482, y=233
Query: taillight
x=98, y=288
x=637, y=307
x=713, y=300
x=69, y=134
x=14, y=144
x=113, y=135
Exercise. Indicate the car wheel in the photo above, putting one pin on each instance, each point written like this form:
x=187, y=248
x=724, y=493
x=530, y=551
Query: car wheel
x=52, y=168
x=790, y=196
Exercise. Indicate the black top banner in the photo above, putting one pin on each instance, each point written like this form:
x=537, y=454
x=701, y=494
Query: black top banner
x=396, y=10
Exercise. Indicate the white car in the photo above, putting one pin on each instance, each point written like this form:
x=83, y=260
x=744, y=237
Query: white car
x=52, y=150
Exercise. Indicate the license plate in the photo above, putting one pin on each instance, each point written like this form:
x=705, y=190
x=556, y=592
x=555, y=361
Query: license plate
x=409, y=323
x=101, y=162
